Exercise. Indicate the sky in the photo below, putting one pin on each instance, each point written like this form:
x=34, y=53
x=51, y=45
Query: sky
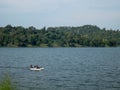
x=52, y=13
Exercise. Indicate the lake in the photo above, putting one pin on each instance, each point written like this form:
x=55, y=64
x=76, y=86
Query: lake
x=65, y=68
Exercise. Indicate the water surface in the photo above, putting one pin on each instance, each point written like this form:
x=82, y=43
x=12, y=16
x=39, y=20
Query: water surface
x=65, y=68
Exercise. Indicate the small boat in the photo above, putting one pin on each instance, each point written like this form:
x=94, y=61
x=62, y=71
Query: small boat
x=36, y=69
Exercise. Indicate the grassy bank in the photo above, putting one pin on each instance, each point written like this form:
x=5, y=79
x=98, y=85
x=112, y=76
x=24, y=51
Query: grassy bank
x=6, y=84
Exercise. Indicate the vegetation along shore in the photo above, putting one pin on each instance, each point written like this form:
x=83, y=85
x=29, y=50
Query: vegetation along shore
x=83, y=36
x=6, y=83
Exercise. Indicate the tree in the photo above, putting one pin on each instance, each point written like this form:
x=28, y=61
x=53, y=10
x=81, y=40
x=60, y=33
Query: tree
x=85, y=36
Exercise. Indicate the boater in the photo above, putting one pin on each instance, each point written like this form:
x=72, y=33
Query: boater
x=31, y=66
x=37, y=66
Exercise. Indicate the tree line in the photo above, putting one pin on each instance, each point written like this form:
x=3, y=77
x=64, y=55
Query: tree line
x=82, y=36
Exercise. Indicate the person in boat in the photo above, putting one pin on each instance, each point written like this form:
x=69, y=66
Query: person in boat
x=37, y=66
x=34, y=66
x=31, y=66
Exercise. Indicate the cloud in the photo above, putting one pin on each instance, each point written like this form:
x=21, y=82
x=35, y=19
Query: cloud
x=28, y=5
x=60, y=12
x=35, y=5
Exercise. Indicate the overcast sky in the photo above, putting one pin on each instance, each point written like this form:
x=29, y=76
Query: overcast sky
x=40, y=13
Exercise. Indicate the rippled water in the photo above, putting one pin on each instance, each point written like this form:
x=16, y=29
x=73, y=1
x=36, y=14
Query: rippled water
x=65, y=68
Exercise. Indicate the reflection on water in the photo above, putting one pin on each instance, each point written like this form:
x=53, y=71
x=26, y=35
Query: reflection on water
x=65, y=68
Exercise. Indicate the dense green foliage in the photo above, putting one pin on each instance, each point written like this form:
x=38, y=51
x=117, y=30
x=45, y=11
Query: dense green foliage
x=6, y=84
x=84, y=36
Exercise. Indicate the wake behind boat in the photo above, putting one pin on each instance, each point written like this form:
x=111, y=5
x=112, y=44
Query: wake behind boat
x=36, y=68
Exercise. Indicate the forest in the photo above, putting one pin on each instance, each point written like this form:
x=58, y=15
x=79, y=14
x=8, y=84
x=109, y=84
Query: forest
x=65, y=36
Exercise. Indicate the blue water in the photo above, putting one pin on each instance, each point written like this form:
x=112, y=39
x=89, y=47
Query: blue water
x=65, y=68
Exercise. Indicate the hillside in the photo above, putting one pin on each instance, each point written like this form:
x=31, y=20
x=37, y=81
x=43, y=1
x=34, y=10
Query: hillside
x=83, y=36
